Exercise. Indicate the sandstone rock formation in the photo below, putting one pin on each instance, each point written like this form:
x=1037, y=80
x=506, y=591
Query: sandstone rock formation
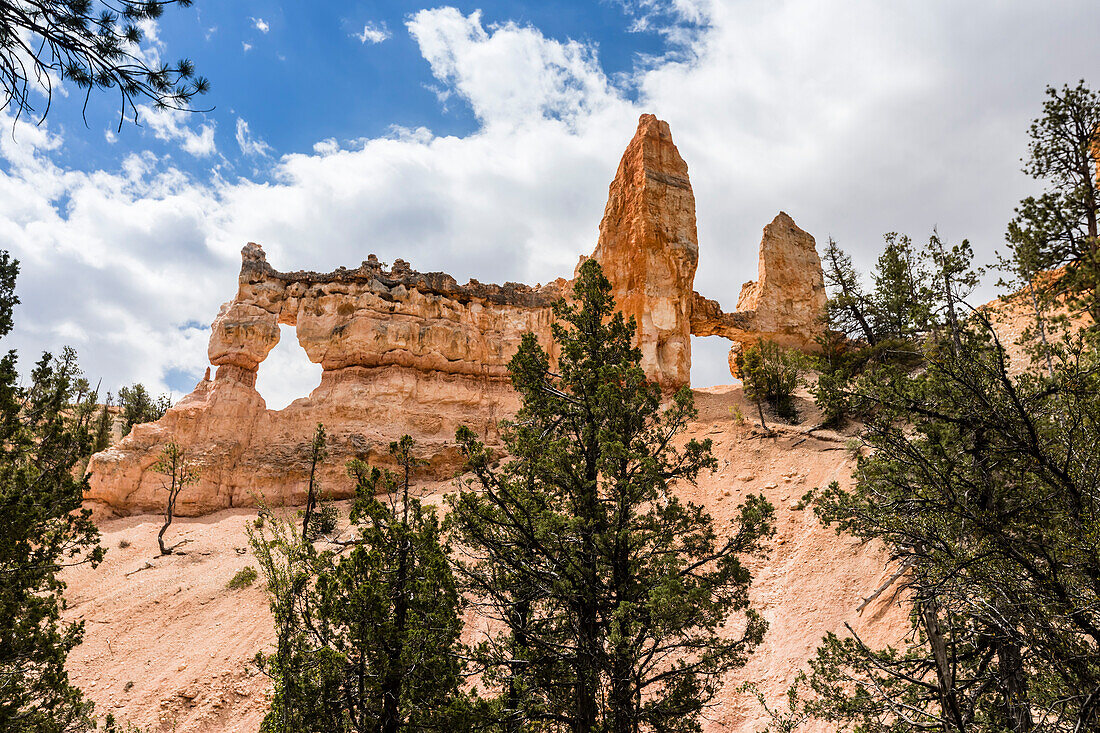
x=410, y=352
x=649, y=249
x=401, y=352
x=788, y=298
x=786, y=302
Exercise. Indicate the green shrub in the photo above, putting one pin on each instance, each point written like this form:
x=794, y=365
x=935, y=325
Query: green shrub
x=806, y=500
x=113, y=725
x=245, y=577
x=855, y=448
x=771, y=374
x=831, y=398
x=323, y=522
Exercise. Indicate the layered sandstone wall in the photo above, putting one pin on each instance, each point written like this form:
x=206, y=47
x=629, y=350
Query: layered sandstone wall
x=374, y=317
x=405, y=352
x=402, y=352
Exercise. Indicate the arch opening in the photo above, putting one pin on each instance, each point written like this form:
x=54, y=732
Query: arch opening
x=710, y=362
x=287, y=373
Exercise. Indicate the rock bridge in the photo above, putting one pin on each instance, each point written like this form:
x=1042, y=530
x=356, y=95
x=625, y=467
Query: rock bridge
x=410, y=352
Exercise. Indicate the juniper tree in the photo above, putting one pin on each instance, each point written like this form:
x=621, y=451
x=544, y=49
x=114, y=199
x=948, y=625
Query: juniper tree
x=848, y=308
x=367, y=633
x=44, y=433
x=137, y=406
x=901, y=292
x=848, y=338
x=915, y=296
x=1025, y=277
x=771, y=374
x=620, y=606
x=297, y=669
x=983, y=484
x=984, y=487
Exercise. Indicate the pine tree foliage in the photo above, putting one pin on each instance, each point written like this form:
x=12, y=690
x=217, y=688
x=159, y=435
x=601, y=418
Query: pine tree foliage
x=44, y=433
x=94, y=44
x=771, y=374
x=102, y=427
x=318, y=450
x=297, y=670
x=1058, y=228
x=984, y=486
x=983, y=482
x=849, y=308
x=916, y=296
x=986, y=489
x=620, y=606
x=901, y=293
x=138, y=406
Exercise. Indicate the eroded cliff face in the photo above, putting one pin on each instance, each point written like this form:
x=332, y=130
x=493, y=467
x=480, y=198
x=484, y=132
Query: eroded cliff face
x=417, y=353
x=402, y=352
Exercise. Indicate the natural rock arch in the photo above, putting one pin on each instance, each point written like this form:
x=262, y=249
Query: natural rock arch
x=408, y=352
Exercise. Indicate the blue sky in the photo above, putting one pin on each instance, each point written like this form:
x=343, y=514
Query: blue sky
x=479, y=139
x=297, y=73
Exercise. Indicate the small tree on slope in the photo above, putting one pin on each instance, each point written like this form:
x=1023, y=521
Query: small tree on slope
x=771, y=374
x=174, y=464
x=367, y=635
x=317, y=453
x=613, y=595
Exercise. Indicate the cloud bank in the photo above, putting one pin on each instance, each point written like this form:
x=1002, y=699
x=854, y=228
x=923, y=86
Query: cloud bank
x=856, y=118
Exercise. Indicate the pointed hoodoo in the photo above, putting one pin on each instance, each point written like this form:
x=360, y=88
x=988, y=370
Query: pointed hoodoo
x=787, y=299
x=785, y=304
x=649, y=249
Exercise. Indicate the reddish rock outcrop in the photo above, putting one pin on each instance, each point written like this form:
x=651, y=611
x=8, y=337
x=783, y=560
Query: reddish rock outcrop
x=786, y=302
x=402, y=352
x=649, y=249
x=417, y=353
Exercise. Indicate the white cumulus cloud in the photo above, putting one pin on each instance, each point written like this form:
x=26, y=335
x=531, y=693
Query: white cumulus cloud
x=511, y=73
x=171, y=125
x=261, y=25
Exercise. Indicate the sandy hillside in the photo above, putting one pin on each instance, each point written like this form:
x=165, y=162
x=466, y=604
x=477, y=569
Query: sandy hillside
x=168, y=645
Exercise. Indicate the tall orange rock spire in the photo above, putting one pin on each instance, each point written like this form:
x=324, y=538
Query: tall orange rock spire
x=649, y=249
